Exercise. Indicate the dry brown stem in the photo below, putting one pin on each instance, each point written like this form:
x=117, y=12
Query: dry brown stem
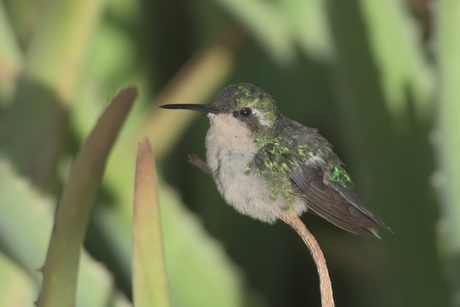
x=327, y=299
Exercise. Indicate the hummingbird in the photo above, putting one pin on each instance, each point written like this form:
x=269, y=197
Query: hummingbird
x=265, y=165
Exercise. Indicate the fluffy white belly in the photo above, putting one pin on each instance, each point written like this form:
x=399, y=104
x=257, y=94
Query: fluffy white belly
x=228, y=154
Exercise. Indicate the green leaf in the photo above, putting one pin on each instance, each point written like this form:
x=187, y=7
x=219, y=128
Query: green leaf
x=10, y=58
x=74, y=209
x=399, y=58
x=150, y=282
x=263, y=19
x=447, y=140
x=25, y=226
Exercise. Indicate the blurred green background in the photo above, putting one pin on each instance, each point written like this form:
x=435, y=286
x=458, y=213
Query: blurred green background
x=379, y=79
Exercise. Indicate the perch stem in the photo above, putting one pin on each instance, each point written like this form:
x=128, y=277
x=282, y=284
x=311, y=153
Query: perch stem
x=327, y=299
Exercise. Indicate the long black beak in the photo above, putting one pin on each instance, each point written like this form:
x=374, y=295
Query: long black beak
x=194, y=107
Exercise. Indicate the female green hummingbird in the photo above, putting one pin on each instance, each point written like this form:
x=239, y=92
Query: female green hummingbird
x=266, y=165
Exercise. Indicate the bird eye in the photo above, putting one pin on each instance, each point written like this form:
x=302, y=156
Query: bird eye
x=246, y=112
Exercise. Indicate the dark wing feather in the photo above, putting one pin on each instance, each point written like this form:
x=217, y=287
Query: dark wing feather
x=339, y=206
x=353, y=199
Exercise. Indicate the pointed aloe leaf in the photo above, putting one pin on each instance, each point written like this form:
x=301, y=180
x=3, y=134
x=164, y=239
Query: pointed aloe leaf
x=73, y=212
x=149, y=269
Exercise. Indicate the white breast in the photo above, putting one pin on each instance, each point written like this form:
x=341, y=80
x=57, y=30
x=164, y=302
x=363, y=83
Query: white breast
x=230, y=148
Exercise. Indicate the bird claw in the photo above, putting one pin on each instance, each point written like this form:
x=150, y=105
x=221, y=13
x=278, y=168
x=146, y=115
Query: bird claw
x=202, y=165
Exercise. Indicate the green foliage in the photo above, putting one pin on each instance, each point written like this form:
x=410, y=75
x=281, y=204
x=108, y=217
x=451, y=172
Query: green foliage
x=150, y=281
x=75, y=206
x=363, y=72
x=447, y=141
